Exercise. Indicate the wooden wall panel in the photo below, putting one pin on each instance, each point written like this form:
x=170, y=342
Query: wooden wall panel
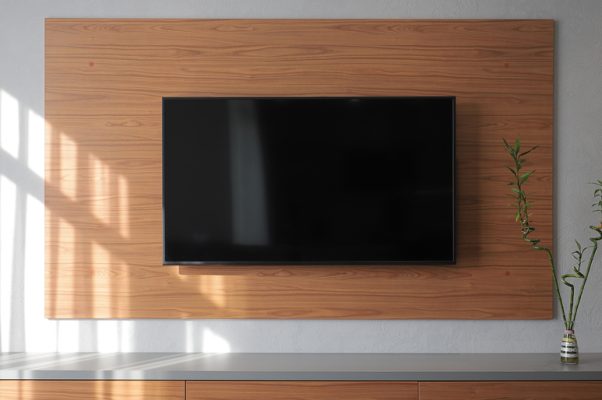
x=104, y=83
x=285, y=390
x=91, y=390
x=539, y=390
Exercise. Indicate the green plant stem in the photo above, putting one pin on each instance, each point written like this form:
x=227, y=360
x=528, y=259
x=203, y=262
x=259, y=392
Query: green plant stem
x=594, y=240
x=555, y=279
x=535, y=245
x=571, y=300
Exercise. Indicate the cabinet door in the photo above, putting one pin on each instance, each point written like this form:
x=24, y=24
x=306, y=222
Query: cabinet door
x=311, y=390
x=527, y=390
x=92, y=390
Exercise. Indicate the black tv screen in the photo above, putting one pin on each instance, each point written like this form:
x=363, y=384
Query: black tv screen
x=308, y=180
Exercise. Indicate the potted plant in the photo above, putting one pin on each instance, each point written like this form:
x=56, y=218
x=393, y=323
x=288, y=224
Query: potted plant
x=583, y=256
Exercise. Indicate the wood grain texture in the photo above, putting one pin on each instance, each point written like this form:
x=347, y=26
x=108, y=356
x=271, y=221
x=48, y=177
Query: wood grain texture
x=540, y=390
x=104, y=84
x=91, y=390
x=281, y=390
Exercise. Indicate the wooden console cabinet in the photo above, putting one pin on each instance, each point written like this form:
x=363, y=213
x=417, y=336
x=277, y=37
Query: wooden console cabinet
x=311, y=390
x=511, y=390
x=281, y=376
x=91, y=390
x=298, y=390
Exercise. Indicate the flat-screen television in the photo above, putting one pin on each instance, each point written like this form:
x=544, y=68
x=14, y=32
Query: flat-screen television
x=349, y=180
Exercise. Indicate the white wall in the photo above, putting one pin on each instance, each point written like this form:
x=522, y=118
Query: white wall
x=577, y=161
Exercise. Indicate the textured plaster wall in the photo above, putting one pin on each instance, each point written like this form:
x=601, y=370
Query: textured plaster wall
x=578, y=151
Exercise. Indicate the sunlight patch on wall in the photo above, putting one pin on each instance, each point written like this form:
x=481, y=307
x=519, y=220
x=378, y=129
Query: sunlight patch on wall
x=124, y=206
x=213, y=343
x=65, y=259
x=100, y=188
x=110, y=192
x=120, y=288
x=9, y=124
x=100, y=280
x=66, y=255
x=127, y=340
x=100, y=255
x=33, y=307
x=67, y=336
x=108, y=336
x=39, y=332
x=35, y=143
x=50, y=176
x=190, y=343
x=22, y=323
x=8, y=204
x=22, y=209
x=68, y=163
x=213, y=287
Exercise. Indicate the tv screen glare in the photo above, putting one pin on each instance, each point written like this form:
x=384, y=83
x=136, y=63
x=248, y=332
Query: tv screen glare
x=354, y=180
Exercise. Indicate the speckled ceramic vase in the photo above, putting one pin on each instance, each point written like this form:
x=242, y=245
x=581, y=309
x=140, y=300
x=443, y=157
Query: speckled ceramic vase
x=569, y=352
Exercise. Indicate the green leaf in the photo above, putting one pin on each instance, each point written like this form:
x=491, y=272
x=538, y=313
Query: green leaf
x=523, y=178
x=518, y=191
x=516, y=145
x=509, y=149
x=528, y=151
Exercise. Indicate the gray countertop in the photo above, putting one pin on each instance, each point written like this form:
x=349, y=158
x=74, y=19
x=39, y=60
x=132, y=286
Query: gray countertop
x=292, y=366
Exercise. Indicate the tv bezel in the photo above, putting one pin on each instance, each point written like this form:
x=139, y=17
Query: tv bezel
x=451, y=261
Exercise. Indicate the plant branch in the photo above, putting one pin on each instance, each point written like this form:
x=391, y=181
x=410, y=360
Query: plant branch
x=598, y=229
x=522, y=213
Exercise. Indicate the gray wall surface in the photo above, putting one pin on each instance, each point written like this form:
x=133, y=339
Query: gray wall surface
x=578, y=147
